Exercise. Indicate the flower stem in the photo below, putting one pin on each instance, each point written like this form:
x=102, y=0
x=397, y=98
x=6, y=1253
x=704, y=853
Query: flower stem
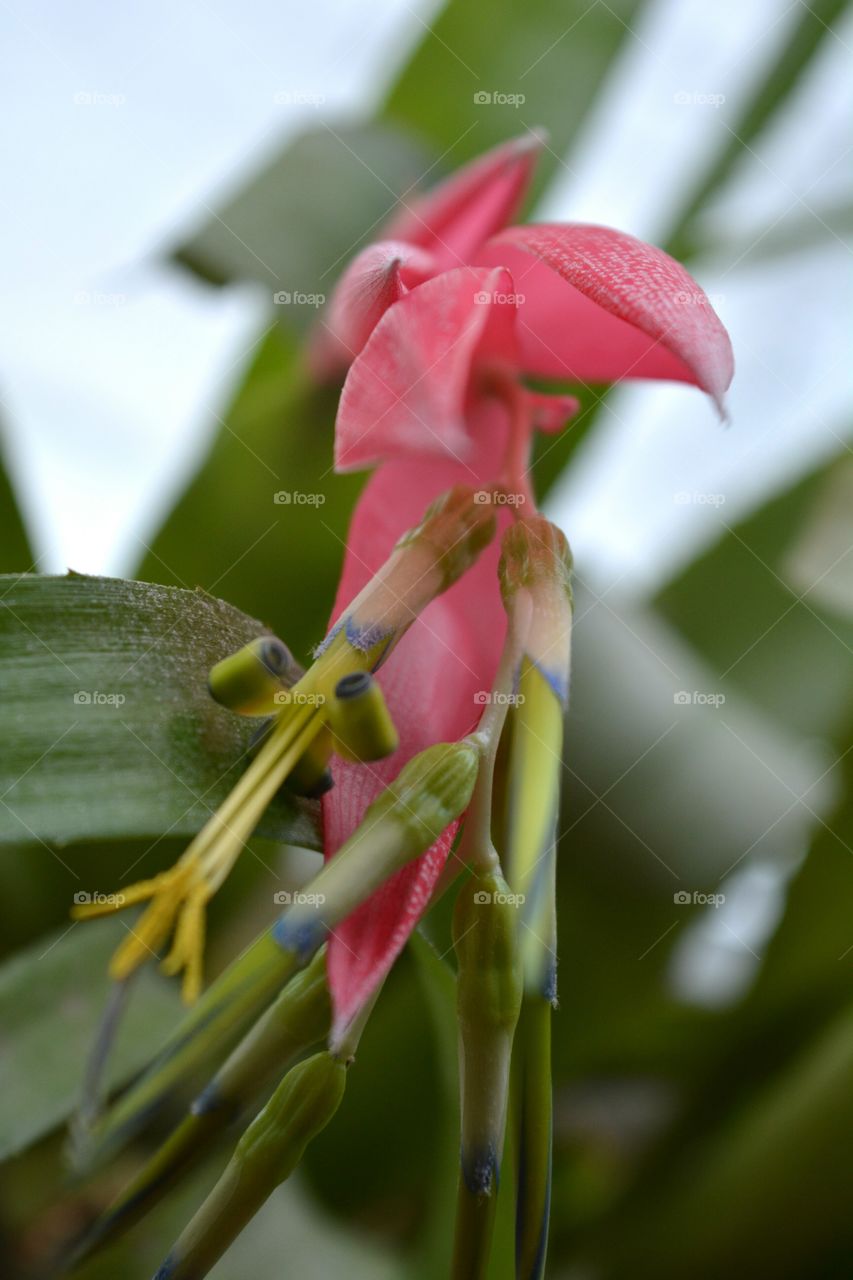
x=489, y=993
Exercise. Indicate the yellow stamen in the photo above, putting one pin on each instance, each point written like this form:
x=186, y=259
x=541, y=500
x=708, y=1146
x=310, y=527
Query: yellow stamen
x=425, y=562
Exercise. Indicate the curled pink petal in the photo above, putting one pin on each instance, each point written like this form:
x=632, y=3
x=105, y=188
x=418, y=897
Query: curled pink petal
x=408, y=392
x=454, y=219
x=429, y=682
x=377, y=277
x=630, y=310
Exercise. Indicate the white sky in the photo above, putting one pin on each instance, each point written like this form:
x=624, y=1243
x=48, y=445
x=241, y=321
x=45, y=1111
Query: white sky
x=114, y=365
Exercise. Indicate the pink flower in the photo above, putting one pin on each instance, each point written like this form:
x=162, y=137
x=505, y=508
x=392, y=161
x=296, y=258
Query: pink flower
x=439, y=325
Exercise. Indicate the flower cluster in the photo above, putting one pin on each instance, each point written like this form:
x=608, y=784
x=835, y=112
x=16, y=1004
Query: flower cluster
x=439, y=328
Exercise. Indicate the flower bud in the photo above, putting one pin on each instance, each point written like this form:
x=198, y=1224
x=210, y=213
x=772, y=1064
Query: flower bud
x=266, y=1155
x=425, y=562
x=535, y=559
x=429, y=793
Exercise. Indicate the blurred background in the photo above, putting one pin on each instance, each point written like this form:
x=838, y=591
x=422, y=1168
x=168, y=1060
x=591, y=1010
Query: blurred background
x=170, y=170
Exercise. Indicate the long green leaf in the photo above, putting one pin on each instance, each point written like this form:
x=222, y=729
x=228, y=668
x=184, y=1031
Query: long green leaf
x=109, y=730
x=51, y=1001
x=15, y=553
x=294, y=225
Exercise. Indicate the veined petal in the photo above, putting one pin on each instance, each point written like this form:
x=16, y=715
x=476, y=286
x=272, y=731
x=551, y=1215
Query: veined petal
x=454, y=219
x=429, y=682
x=408, y=391
x=621, y=309
x=374, y=280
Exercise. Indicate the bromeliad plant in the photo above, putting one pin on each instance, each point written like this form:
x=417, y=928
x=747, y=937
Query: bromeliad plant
x=451, y=639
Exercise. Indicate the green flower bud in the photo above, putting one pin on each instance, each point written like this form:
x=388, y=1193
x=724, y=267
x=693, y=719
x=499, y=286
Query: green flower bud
x=402, y=822
x=266, y=1155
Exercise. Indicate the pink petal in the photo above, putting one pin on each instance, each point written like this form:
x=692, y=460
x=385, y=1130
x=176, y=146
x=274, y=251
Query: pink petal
x=429, y=682
x=622, y=309
x=408, y=391
x=463, y=211
x=375, y=279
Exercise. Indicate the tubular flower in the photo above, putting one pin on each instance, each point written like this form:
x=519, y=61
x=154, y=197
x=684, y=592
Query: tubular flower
x=440, y=323
x=438, y=653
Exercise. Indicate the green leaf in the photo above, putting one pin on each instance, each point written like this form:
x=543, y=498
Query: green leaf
x=820, y=560
x=813, y=27
x=777, y=1222
x=554, y=56
x=109, y=730
x=51, y=1000
x=15, y=553
x=758, y=640
x=294, y=224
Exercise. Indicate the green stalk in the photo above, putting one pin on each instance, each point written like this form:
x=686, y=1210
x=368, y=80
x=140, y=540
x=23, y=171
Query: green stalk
x=535, y=569
x=298, y=1019
x=489, y=991
x=266, y=1155
x=532, y=1092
